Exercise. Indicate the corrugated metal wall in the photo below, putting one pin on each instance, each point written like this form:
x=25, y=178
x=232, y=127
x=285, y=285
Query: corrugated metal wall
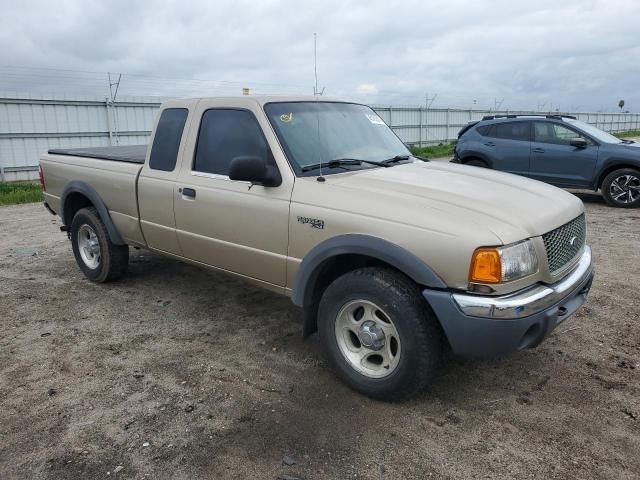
x=419, y=126
x=31, y=125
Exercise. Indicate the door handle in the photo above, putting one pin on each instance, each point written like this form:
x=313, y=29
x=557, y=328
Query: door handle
x=187, y=192
x=538, y=150
x=490, y=144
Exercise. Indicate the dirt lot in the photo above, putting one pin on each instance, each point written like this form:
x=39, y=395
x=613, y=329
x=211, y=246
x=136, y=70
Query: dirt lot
x=176, y=372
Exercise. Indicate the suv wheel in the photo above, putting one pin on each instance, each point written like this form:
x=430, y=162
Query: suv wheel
x=379, y=333
x=98, y=258
x=621, y=188
x=474, y=162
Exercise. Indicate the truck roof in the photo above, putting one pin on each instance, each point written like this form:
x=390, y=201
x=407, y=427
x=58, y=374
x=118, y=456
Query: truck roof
x=253, y=99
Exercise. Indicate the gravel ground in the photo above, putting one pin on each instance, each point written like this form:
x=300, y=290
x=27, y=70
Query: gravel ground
x=177, y=372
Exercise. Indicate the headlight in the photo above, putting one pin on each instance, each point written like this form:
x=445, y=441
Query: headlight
x=503, y=264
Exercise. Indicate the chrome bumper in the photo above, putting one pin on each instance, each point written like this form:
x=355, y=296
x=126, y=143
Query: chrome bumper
x=530, y=301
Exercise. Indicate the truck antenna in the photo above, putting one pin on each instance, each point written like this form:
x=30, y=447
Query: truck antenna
x=315, y=63
x=320, y=178
x=315, y=94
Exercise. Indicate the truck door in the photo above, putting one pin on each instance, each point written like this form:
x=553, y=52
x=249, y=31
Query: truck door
x=230, y=224
x=554, y=160
x=156, y=184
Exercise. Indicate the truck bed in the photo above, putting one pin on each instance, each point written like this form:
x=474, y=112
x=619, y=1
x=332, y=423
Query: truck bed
x=125, y=153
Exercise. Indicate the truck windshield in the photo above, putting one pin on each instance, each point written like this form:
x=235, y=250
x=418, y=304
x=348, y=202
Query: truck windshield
x=314, y=133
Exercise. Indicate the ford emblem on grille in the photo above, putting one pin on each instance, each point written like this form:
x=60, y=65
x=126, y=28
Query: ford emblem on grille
x=573, y=240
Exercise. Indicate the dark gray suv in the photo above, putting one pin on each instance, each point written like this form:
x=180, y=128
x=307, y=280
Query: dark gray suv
x=559, y=150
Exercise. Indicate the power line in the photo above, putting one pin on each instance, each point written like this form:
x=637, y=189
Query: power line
x=148, y=76
x=76, y=81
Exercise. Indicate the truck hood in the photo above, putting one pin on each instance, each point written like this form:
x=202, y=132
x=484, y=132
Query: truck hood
x=510, y=206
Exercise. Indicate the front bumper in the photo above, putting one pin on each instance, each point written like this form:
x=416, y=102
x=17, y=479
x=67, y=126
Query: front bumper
x=484, y=326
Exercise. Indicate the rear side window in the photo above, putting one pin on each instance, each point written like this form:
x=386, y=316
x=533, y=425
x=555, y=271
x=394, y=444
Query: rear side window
x=484, y=130
x=508, y=131
x=512, y=131
x=227, y=134
x=166, y=142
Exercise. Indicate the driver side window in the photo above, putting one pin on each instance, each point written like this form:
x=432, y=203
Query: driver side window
x=549, y=132
x=224, y=135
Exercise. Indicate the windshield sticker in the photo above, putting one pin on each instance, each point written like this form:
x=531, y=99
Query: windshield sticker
x=375, y=119
x=286, y=117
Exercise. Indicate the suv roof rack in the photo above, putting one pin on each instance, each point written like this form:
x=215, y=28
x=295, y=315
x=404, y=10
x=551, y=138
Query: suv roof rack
x=492, y=117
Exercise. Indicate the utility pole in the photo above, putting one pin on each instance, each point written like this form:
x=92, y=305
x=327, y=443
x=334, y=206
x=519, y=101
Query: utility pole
x=116, y=84
x=112, y=97
x=428, y=101
x=427, y=104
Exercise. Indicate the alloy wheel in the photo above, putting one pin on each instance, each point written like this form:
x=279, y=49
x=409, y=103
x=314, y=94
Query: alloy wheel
x=368, y=339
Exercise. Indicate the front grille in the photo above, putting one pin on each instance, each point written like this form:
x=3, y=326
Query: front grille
x=564, y=243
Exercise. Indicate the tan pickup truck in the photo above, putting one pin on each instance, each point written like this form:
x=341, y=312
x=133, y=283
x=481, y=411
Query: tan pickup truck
x=393, y=259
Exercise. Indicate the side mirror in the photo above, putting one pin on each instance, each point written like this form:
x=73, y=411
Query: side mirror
x=255, y=170
x=578, y=142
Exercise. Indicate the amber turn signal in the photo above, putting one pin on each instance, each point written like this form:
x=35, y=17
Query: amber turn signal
x=486, y=266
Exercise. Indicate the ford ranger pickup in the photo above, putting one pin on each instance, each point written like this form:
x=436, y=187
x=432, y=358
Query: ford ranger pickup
x=393, y=260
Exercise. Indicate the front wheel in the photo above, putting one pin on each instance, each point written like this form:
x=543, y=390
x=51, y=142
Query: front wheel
x=98, y=258
x=621, y=188
x=379, y=333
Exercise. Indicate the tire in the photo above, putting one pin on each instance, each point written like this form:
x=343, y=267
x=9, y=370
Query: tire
x=390, y=296
x=98, y=258
x=621, y=188
x=474, y=162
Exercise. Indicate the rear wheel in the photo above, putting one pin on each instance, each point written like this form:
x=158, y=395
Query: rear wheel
x=475, y=162
x=98, y=258
x=621, y=188
x=379, y=333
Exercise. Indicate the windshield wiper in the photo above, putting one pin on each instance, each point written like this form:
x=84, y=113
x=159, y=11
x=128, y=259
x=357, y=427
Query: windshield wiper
x=400, y=158
x=397, y=158
x=341, y=162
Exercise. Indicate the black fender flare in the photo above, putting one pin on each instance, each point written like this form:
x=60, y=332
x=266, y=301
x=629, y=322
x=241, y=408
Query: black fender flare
x=359, y=244
x=77, y=186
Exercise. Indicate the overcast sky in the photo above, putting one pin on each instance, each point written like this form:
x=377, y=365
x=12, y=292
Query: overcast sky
x=571, y=54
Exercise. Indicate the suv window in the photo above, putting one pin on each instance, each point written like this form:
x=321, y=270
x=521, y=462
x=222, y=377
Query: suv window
x=508, y=131
x=484, y=130
x=513, y=131
x=549, y=132
x=166, y=142
x=225, y=134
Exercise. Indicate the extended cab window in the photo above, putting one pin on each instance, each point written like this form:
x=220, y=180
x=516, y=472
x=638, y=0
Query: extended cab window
x=166, y=142
x=224, y=135
x=548, y=132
